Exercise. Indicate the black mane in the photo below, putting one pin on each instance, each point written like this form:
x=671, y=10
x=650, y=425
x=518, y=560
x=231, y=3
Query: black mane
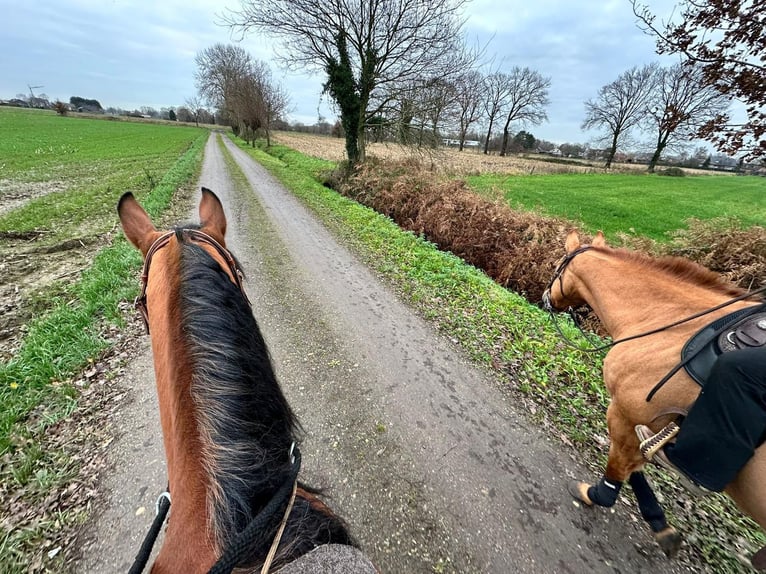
x=247, y=426
x=245, y=423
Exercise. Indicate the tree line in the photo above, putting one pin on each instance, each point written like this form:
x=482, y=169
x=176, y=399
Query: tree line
x=402, y=71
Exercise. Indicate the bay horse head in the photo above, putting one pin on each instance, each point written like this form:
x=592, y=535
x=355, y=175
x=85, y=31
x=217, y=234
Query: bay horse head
x=228, y=430
x=650, y=307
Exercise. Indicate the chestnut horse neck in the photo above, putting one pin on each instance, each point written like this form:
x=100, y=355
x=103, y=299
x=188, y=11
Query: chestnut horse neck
x=632, y=292
x=226, y=424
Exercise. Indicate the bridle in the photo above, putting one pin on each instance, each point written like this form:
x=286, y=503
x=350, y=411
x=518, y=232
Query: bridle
x=558, y=273
x=598, y=348
x=195, y=235
x=567, y=259
x=548, y=306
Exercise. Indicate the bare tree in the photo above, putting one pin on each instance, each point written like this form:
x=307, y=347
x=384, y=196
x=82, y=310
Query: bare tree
x=364, y=48
x=273, y=99
x=682, y=102
x=435, y=99
x=526, y=98
x=219, y=68
x=404, y=108
x=184, y=114
x=726, y=40
x=194, y=105
x=620, y=106
x=495, y=91
x=468, y=87
x=230, y=80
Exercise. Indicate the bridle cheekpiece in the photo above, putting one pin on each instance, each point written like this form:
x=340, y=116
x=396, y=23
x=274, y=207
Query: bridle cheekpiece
x=195, y=235
x=558, y=273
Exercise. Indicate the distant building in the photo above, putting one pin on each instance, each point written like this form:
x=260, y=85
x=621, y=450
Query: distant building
x=15, y=102
x=467, y=143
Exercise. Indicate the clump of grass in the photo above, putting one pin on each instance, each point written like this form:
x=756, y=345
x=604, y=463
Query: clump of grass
x=672, y=172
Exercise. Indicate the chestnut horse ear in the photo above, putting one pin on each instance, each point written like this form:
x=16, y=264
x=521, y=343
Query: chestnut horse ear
x=599, y=240
x=573, y=241
x=136, y=224
x=211, y=216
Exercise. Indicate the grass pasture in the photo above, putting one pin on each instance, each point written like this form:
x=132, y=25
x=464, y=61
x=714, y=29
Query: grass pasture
x=636, y=204
x=67, y=172
x=625, y=200
x=65, y=270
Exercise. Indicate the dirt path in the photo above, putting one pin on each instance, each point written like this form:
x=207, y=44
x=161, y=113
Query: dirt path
x=421, y=452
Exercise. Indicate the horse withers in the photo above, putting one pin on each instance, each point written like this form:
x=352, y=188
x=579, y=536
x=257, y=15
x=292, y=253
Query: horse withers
x=636, y=297
x=228, y=431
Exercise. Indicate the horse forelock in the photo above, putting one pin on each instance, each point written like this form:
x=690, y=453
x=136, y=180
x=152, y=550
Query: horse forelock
x=244, y=422
x=680, y=268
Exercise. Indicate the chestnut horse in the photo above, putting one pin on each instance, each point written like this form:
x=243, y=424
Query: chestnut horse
x=632, y=294
x=228, y=430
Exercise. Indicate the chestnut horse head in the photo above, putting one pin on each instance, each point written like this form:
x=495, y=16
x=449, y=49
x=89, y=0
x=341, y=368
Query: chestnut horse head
x=632, y=294
x=227, y=428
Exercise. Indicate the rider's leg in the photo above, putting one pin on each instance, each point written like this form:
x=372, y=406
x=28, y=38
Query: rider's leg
x=726, y=423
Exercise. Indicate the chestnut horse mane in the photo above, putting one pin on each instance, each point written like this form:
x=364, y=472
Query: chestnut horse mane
x=245, y=423
x=682, y=269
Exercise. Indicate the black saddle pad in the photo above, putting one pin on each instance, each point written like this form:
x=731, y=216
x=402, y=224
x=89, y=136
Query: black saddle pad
x=737, y=330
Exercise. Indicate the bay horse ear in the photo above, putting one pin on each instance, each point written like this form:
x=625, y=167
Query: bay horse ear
x=212, y=219
x=599, y=240
x=573, y=241
x=136, y=224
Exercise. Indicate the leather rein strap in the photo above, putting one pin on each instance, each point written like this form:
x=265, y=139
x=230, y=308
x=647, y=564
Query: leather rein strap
x=547, y=305
x=194, y=235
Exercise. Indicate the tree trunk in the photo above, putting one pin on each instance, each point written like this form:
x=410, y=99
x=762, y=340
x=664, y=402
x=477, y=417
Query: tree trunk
x=504, y=147
x=612, y=151
x=661, y=143
x=361, y=140
x=342, y=88
x=654, y=160
x=489, y=134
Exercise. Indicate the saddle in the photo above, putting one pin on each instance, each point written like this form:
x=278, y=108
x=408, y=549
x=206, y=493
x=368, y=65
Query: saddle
x=741, y=329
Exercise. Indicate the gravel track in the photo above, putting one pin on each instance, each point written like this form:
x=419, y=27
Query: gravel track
x=423, y=453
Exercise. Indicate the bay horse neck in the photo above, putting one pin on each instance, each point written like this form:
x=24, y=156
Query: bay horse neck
x=226, y=424
x=631, y=292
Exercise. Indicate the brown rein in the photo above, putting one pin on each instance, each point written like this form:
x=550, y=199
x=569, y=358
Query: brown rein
x=549, y=307
x=195, y=235
x=560, y=271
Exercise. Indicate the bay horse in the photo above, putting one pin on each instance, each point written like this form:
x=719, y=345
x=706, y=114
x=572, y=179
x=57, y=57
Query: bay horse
x=634, y=294
x=228, y=431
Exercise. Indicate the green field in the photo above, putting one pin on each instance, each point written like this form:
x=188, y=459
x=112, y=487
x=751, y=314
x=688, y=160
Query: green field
x=87, y=164
x=641, y=204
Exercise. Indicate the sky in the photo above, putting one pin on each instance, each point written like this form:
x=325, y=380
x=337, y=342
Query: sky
x=133, y=53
